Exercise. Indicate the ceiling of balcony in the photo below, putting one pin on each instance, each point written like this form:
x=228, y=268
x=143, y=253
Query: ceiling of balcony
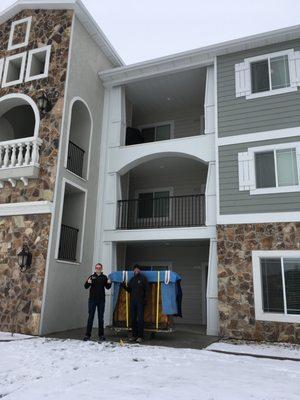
x=168, y=92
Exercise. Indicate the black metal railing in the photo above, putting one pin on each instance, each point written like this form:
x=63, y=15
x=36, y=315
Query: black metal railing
x=162, y=212
x=75, y=159
x=68, y=243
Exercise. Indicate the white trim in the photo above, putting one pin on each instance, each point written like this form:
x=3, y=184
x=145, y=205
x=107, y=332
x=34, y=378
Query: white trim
x=45, y=49
x=157, y=124
x=256, y=218
x=26, y=208
x=22, y=69
x=28, y=100
x=216, y=139
x=259, y=136
x=260, y=315
x=73, y=100
x=1, y=68
x=66, y=181
x=12, y=46
x=272, y=92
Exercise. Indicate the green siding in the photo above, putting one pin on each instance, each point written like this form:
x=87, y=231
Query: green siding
x=238, y=115
x=234, y=201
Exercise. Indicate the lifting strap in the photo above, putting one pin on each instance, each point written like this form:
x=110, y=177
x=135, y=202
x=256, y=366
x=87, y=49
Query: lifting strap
x=167, y=276
x=125, y=275
x=157, y=299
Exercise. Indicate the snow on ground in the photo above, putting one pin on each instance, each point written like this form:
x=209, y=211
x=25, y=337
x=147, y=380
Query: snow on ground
x=263, y=349
x=7, y=336
x=52, y=369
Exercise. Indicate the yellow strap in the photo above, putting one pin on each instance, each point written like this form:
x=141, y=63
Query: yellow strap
x=127, y=305
x=157, y=299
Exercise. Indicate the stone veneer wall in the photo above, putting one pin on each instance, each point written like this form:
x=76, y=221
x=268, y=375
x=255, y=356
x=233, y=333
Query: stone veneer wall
x=47, y=27
x=236, y=297
x=21, y=292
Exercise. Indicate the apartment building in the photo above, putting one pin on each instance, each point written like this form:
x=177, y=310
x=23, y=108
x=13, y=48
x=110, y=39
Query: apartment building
x=189, y=162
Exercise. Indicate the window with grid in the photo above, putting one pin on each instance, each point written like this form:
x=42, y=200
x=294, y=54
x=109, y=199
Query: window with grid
x=153, y=204
x=156, y=133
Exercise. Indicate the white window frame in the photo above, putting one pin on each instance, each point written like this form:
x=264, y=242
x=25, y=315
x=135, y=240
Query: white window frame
x=12, y=46
x=252, y=171
x=155, y=125
x=243, y=75
x=1, y=68
x=63, y=189
x=22, y=69
x=43, y=49
x=260, y=315
x=164, y=189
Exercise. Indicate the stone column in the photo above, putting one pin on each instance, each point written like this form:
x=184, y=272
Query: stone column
x=212, y=291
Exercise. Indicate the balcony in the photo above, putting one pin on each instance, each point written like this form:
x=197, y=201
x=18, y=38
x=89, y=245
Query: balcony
x=75, y=159
x=19, y=160
x=162, y=212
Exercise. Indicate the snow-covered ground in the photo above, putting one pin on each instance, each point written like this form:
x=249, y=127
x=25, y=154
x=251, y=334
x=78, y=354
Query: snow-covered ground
x=52, y=369
x=8, y=337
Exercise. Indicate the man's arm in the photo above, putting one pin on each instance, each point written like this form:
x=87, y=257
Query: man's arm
x=146, y=288
x=127, y=287
x=88, y=282
x=107, y=283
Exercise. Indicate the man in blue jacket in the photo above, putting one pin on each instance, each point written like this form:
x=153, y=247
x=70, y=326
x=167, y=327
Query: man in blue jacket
x=97, y=283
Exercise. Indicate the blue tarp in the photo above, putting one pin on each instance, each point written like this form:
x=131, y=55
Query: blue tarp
x=168, y=291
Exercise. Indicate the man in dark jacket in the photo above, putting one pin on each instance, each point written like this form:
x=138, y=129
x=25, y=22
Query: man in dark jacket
x=97, y=283
x=138, y=288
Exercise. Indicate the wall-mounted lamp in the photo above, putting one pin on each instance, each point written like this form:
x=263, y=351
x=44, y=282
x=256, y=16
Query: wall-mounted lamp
x=43, y=102
x=24, y=258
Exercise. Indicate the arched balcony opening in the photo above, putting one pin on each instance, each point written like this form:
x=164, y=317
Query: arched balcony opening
x=79, y=138
x=163, y=193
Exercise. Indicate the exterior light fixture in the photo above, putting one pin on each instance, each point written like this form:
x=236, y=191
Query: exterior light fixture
x=43, y=102
x=24, y=258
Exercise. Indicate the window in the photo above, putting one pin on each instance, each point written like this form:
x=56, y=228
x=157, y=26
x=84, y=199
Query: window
x=14, y=70
x=268, y=74
x=276, y=277
x=270, y=169
x=38, y=63
x=153, y=204
x=19, y=33
x=276, y=168
x=272, y=73
x=155, y=133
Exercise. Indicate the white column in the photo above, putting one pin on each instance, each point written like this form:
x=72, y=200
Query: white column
x=210, y=195
x=109, y=261
x=209, y=101
x=117, y=117
x=212, y=290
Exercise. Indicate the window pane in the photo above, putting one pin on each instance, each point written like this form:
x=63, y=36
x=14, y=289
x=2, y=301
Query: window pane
x=280, y=75
x=292, y=285
x=260, y=76
x=148, y=134
x=287, y=167
x=163, y=132
x=161, y=204
x=272, y=285
x=265, y=169
x=145, y=205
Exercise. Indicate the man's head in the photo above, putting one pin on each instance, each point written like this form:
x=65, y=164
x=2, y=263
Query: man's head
x=136, y=269
x=98, y=268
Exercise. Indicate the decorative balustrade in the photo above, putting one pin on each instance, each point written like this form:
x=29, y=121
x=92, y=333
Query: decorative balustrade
x=19, y=159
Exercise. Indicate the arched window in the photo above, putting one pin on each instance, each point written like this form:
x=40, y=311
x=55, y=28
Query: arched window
x=79, y=138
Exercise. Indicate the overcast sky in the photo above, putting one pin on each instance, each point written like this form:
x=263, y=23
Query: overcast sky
x=142, y=29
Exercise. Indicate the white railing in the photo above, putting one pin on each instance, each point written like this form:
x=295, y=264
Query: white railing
x=20, y=153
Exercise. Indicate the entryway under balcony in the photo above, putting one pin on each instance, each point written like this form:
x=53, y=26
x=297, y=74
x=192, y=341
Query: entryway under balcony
x=189, y=259
x=164, y=192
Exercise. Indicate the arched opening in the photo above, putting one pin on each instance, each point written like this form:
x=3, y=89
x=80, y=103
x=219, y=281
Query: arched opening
x=163, y=192
x=79, y=138
x=19, y=117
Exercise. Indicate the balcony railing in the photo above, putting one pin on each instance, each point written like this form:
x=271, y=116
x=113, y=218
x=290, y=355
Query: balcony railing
x=19, y=159
x=68, y=243
x=163, y=212
x=75, y=159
